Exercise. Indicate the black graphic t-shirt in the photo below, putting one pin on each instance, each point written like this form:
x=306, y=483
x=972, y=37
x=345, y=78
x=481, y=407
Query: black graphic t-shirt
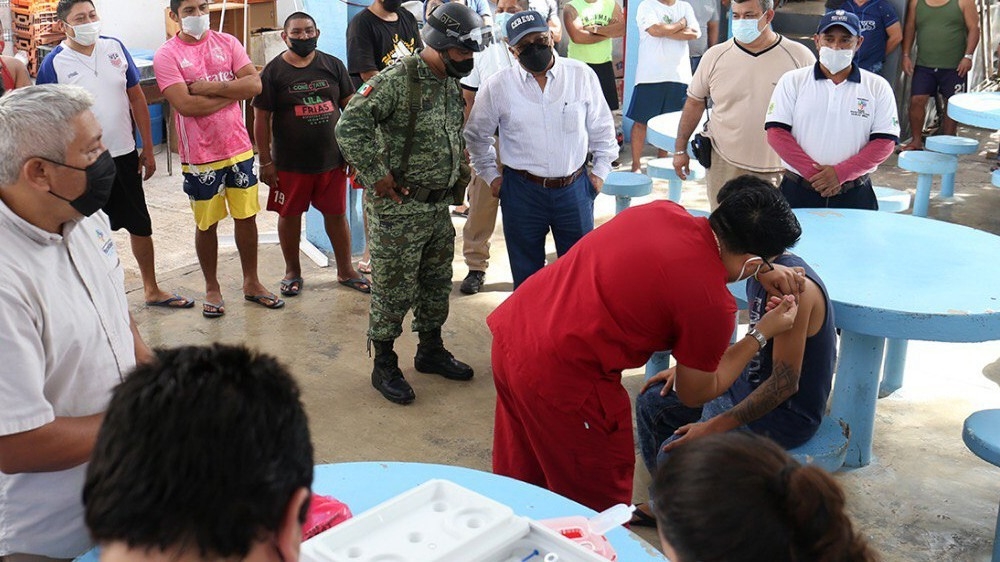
x=373, y=43
x=305, y=107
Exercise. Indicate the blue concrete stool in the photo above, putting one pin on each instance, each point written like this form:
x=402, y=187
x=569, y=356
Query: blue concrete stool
x=926, y=164
x=981, y=434
x=828, y=448
x=663, y=169
x=891, y=200
x=950, y=144
x=995, y=178
x=626, y=185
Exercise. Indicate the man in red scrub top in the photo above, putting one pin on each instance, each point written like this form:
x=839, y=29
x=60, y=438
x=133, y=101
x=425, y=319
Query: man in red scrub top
x=652, y=278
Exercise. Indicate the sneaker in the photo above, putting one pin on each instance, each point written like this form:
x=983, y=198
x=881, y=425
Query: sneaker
x=473, y=282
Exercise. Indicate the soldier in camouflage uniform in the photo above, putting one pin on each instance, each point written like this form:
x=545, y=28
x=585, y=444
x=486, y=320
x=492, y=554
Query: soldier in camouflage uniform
x=402, y=133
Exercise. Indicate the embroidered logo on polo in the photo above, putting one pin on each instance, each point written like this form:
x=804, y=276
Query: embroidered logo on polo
x=862, y=109
x=115, y=59
x=106, y=243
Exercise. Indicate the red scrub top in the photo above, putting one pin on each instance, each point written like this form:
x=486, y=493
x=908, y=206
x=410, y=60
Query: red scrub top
x=648, y=280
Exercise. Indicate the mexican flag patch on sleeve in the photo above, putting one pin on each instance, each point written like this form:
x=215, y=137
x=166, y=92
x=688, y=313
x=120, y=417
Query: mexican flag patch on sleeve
x=366, y=89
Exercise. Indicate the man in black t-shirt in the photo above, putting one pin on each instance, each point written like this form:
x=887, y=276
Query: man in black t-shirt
x=294, y=120
x=379, y=36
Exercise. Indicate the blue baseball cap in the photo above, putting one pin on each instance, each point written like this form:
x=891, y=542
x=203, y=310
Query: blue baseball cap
x=523, y=23
x=843, y=18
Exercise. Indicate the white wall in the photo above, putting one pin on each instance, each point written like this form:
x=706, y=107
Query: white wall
x=139, y=23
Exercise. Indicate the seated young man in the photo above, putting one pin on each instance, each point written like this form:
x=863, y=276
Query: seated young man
x=204, y=454
x=781, y=392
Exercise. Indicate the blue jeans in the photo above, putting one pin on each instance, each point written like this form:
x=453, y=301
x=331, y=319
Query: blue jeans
x=658, y=417
x=530, y=211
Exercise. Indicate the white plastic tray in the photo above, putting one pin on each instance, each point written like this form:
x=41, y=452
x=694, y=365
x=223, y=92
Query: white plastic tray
x=440, y=521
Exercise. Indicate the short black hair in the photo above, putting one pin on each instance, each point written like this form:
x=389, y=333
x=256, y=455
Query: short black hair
x=66, y=6
x=176, y=4
x=297, y=16
x=754, y=218
x=203, y=449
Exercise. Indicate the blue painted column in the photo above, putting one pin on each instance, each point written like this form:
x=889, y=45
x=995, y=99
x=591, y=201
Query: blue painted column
x=657, y=362
x=895, y=364
x=631, y=61
x=922, y=198
x=856, y=391
x=332, y=19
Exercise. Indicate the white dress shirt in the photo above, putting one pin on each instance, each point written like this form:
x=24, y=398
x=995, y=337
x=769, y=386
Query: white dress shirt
x=546, y=133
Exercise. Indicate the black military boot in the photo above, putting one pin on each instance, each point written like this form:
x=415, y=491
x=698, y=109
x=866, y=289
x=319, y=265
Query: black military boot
x=386, y=376
x=433, y=358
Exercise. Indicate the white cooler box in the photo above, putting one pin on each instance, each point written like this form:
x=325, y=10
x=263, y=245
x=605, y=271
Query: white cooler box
x=440, y=521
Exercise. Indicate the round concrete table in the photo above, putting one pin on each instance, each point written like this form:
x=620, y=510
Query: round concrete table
x=978, y=109
x=896, y=276
x=363, y=485
x=661, y=131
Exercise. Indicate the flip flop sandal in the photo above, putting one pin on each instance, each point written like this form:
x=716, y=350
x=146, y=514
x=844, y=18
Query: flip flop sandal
x=292, y=287
x=365, y=266
x=175, y=301
x=267, y=301
x=641, y=519
x=210, y=310
x=358, y=284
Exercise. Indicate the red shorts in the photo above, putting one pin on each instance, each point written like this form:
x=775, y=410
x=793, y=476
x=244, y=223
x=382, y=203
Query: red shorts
x=293, y=194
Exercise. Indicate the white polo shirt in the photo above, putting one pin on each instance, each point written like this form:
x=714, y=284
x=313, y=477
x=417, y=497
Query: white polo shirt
x=833, y=122
x=65, y=342
x=106, y=74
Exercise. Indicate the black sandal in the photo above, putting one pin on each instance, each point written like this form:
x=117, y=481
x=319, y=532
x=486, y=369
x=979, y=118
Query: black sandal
x=641, y=519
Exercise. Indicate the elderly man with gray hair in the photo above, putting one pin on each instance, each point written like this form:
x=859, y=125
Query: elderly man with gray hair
x=66, y=337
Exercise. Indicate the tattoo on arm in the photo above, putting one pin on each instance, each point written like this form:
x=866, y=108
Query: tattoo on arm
x=782, y=384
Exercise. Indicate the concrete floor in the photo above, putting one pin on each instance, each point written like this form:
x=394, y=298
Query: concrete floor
x=925, y=497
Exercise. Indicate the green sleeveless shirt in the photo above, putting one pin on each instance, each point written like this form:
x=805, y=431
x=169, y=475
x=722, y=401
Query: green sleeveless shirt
x=593, y=13
x=941, y=35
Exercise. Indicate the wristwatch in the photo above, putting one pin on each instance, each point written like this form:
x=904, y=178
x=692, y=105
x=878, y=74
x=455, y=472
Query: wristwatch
x=761, y=340
x=968, y=56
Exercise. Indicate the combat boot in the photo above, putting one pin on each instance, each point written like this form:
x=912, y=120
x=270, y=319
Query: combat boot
x=386, y=376
x=433, y=358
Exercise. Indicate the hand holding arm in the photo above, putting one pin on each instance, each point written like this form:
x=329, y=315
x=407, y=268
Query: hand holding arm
x=246, y=85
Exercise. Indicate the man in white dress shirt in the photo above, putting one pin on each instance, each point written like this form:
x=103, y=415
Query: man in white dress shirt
x=482, y=218
x=550, y=112
x=66, y=338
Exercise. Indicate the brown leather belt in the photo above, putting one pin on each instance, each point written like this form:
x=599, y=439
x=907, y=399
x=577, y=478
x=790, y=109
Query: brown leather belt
x=844, y=187
x=551, y=183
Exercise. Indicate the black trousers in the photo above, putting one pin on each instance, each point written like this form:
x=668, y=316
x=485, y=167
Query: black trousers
x=801, y=195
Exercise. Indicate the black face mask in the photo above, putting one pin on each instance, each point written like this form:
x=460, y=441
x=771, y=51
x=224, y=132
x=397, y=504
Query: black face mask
x=392, y=5
x=535, y=57
x=457, y=68
x=100, y=180
x=302, y=47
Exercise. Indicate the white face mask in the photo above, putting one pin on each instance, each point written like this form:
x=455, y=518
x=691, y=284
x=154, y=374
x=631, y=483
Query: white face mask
x=835, y=60
x=195, y=26
x=86, y=34
x=747, y=31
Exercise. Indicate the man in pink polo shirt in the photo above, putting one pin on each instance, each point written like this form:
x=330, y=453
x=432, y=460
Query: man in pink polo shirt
x=204, y=75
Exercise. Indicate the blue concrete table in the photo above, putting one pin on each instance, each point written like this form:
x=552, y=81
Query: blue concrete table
x=978, y=109
x=363, y=485
x=896, y=276
x=661, y=131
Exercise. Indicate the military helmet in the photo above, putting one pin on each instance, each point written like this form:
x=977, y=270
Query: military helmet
x=453, y=25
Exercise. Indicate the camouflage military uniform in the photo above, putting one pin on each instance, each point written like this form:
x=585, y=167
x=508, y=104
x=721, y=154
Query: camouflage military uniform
x=412, y=244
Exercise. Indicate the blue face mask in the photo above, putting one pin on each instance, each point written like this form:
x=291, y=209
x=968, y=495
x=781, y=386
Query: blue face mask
x=500, y=21
x=746, y=31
